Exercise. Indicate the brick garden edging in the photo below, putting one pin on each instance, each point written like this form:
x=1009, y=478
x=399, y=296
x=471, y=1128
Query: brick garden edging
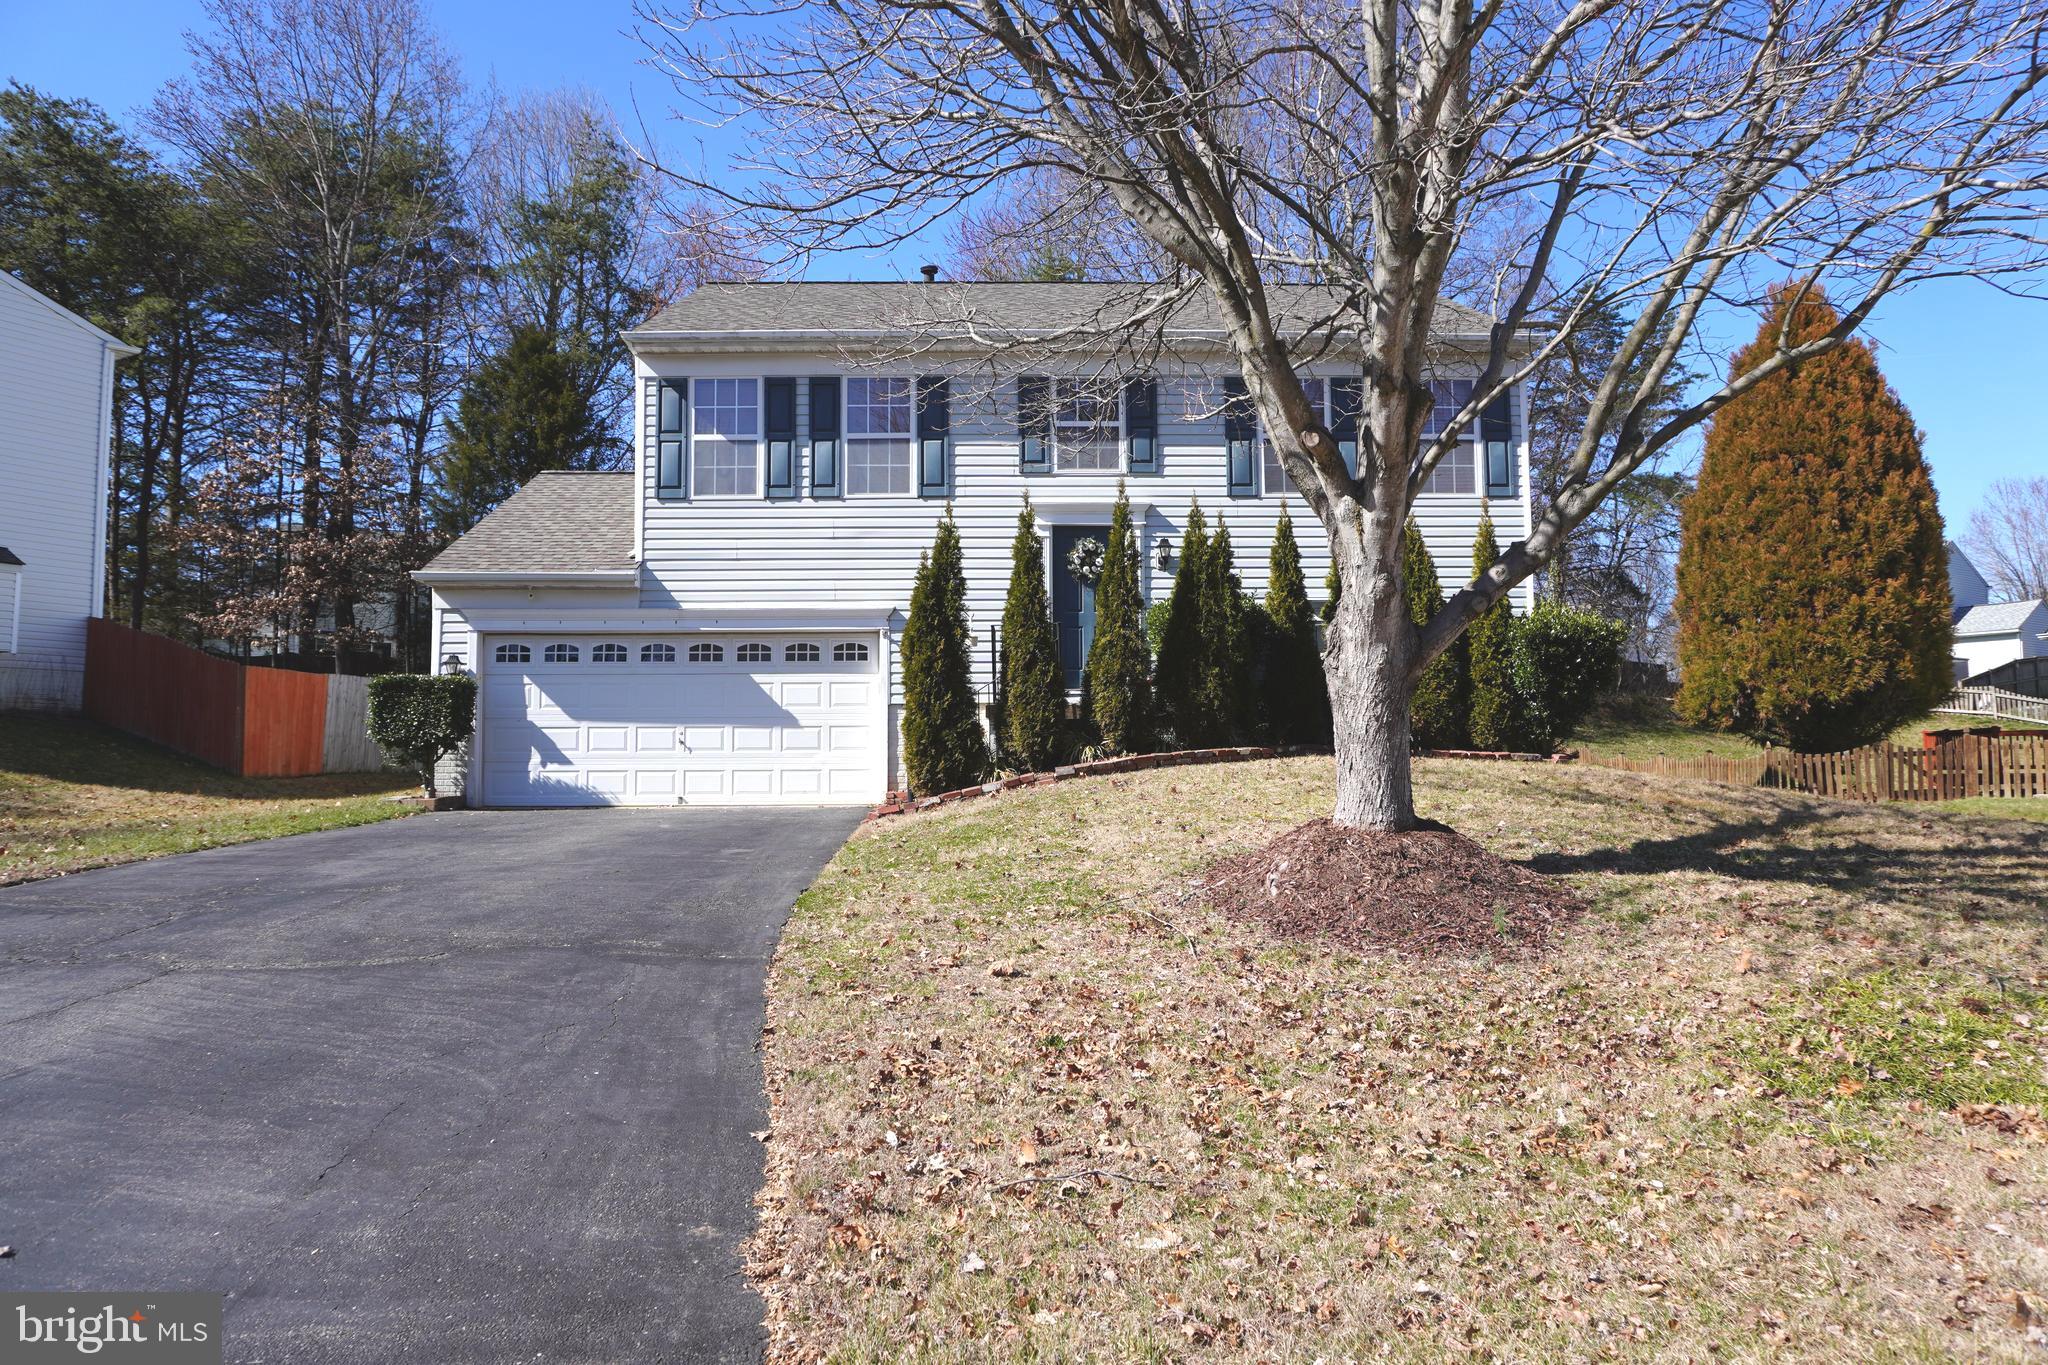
x=899, y=804
x=1500, y=756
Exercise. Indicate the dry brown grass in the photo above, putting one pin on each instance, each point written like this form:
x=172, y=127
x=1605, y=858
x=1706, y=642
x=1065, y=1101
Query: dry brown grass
x=1029, y=1103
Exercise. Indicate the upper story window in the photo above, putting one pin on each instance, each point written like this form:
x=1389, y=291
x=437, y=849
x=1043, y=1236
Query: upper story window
x=1276, y=480
x=1457, y=472
x=562, y=654
x=657, y=654
x=878, y=427
x=707, y=654
x=725, y=422
x=1450, y=396
x=849, y=652
x=607, y=654
x=754, y=653
x=513, y=654
x=800, y=654
x=1087, y=425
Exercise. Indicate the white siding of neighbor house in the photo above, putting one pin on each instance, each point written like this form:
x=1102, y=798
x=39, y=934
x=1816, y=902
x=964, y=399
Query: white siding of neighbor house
x=739, y=553
x=56, y=378
x=1982, y=653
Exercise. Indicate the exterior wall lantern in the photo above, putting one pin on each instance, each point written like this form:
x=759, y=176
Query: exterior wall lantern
x=1162, y=553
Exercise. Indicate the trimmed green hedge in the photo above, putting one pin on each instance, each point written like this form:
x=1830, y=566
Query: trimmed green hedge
x=421, y=716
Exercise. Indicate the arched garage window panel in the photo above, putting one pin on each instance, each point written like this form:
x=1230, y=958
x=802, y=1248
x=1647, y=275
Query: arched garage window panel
x=849, y=652
x=800, y=654
x=608, y=654
x=657, y=654
x=707, y=654
x=562, y=654
x=752, y=653
x=513, y=654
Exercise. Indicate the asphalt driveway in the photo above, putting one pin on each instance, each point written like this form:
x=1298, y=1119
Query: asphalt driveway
x=477, y=1086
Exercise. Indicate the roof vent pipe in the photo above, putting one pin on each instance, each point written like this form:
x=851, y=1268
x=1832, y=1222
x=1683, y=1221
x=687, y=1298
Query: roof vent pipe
x=930, y=273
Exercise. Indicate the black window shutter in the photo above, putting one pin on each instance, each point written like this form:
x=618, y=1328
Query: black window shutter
x=671, y=439
x=778, y=429
x=934, y=422
x=1239, y=427
x=1034, y=424
x=825, y=480
x=1347, y=405
x=1496, y=432
x=1141, y=423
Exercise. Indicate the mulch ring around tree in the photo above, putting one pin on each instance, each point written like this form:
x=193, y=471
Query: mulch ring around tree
x=1428, y=891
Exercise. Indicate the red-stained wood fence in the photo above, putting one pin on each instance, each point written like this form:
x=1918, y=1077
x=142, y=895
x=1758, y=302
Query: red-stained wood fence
x=1949, y=767
x=254, y=722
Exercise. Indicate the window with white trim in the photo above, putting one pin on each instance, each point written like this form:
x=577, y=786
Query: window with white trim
x=657, y=654
x=562, y=654
x=725, y=424
x=1271, y=470
x=849, y=652
x=707, y=654
x=800, y=654
x=1458, y=471
x=878, y=427
x=754, y=653
x=10, y=601
x=608, y=654
x=512, y=654
x=1087, y=425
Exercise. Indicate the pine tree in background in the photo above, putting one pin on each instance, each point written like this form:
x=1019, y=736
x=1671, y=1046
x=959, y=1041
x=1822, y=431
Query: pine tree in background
x=1497, y=720
x=1224, y=691
x=1333, y=588
x=1175, y=682
x=1119, y=664
x=943, y=748
x=1034, y=686
x=1812, y=583
x=1438, y=709
x=1296, y=698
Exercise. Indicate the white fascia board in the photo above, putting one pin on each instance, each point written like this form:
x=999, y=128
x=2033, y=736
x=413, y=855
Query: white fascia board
x=520, y=578
x=1058, y=509
x=680, y=621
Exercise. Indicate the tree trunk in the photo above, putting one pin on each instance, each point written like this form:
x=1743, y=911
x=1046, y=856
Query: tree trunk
x=1366, y=660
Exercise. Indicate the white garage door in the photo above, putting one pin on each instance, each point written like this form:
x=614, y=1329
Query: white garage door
x=593, y=720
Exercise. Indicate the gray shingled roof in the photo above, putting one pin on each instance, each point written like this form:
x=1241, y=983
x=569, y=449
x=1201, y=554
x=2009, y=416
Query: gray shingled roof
x=1996, y=617
x=561, y=522
x=8, y=556
x=990, y=308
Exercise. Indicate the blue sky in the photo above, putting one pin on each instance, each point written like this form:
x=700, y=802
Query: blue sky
x=1963, y=356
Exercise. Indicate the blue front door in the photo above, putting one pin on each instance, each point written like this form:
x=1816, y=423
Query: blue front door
x=1073, y=602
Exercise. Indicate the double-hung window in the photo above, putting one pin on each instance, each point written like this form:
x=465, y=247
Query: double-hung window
x=1270, y=467
x=725, y=423
x=1457, y=471
x=1087, y=425
x=878, y=437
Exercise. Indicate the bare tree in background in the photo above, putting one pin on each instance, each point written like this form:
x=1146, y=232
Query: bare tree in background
x=2008, y=538
x=1674, y=159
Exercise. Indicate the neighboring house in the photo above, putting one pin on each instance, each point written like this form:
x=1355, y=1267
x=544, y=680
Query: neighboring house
x=1990, y=634
x=719, y=625
x=56, y=401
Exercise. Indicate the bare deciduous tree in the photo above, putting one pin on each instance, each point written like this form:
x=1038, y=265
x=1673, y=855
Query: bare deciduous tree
x=2008, y=538
x=1669, y=161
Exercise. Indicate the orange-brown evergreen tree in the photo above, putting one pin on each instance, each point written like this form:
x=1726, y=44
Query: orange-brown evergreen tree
x=1813, y=593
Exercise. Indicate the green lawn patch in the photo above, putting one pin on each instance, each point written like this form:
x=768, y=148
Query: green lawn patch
x=75, y=794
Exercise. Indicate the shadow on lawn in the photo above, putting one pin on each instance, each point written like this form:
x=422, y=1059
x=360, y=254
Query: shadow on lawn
x=1894, y=855
x=72, y=749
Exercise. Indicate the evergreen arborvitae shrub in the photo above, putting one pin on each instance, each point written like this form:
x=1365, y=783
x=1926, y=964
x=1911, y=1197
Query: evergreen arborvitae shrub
x=1296, y=695
x=1119, y=662
x=1224, y=691
x=1176, y=679
x=1498, y=719
x=1565, y=657
x=1333, y=588
x=1813, y=598
x=1437, y=709
x=1034, y=687
x=419, y=717
x=943, y=747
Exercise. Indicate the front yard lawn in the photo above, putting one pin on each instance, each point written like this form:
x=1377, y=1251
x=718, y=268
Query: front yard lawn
x=1776, y=1095
x=75, y=794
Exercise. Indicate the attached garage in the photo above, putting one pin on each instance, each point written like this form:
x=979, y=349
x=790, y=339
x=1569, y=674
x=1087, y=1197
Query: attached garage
x=693, y=718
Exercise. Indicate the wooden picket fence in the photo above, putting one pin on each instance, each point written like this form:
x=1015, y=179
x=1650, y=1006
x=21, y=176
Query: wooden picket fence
x=1953, y=767
x=1996, y=703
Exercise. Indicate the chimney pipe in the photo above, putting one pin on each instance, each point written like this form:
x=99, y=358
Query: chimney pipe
x=930, y=273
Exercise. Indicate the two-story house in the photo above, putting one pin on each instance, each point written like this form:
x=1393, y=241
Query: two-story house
x=719, y=625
